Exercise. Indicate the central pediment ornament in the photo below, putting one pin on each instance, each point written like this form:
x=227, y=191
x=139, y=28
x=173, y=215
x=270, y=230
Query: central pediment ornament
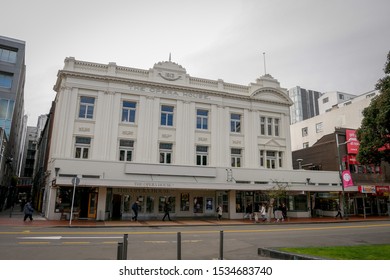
x=169, y=76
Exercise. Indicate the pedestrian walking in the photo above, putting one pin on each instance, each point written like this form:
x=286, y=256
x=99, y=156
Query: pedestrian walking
x=219, y=212
x=167, y=208
x=248, y=211
x=28, y=211
x=339, y=212
x=283, y=208
x=134, y=207
x=263, y=212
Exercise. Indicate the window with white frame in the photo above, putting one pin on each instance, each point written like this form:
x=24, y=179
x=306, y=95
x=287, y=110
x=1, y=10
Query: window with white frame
x=271, y=159
x=87, y=105
x=276, y=127
x=262, y=125
x=269, y=126
x=82, y=147
x=166, y=115
x=202, y=155
x=306, y=145
x=319, y=127
x=166, y=153
x=128, y=111
x=126, y=150
x=236, y=157
x=304, y=132
x=202, y=117
x=235, y=123
x=325, y=100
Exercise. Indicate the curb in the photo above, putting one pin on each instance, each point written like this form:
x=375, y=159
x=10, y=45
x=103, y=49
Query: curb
x=280, y=255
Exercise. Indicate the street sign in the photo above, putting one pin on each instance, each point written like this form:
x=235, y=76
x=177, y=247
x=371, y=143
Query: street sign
x=75, y=181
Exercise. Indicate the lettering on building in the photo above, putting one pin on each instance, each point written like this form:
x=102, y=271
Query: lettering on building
x=169, y=92
x=84, y=129
x=127, y=132
x=166, y=136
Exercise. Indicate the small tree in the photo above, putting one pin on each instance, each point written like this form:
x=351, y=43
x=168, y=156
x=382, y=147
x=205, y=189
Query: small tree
x=374, y=133
x=277, y=192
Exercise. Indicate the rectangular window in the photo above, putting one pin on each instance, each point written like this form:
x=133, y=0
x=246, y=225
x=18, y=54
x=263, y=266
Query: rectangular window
x=236, y=157
x=271, y=159
x=269, y=126
x=128, y=111
x=319, y=127
x=202, y=119
x=166, y=153
x=276, y=127
x=262, y=158
x=262, y=125
x=82, y=146
x=325, y=100
x=126, y=148
x=6, y=109
x=7, y=55
x=166, y=115
x=6, y=80
x=201, y=155
x=306, y=145
x=304, y=132
x=280, y=158
x=87, y=105
x=235, y=123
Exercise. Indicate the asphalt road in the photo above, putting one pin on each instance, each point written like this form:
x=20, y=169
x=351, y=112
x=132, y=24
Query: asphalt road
x=197, y=242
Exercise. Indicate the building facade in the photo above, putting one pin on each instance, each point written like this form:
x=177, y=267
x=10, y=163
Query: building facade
x=347, y=114
x=121, y=135
x=305, y=104
x=12, y=79
x=328, y=100
x=369, y=194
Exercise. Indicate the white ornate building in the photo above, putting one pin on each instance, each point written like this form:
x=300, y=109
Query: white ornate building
x=159, y=134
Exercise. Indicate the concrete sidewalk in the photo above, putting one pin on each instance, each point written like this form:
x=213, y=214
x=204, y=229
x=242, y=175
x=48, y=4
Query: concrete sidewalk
x=15, y=218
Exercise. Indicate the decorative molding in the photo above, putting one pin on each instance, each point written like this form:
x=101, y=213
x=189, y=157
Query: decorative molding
x=169, y=76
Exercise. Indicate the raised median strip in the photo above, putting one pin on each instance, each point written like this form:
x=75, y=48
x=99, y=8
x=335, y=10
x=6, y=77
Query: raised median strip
x=277, y=254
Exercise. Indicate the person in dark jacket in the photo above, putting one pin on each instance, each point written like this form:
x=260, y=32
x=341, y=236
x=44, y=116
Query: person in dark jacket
x=167, y=208
x=28, y=211
x=135, y=211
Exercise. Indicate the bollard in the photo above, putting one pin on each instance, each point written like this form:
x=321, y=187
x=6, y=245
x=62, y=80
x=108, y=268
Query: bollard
x=125, y=242
x=221, y=245
x=119, y=255
x=179, y=245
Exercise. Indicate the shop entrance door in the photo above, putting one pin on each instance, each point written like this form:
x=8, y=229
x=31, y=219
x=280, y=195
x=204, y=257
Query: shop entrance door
x=92, y=205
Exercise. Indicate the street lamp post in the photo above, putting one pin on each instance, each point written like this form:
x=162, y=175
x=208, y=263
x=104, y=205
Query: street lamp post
x=341, y=173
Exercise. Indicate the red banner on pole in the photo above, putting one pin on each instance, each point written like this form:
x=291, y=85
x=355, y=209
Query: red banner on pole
x=347, y=179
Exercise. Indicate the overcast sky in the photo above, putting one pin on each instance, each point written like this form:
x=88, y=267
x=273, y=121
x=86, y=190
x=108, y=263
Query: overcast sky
x=324, y=45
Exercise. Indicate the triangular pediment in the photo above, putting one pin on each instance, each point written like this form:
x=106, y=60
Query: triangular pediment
x=272, y=143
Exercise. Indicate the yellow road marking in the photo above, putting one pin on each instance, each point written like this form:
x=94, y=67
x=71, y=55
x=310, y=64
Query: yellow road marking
x=75, y=242
x=272, y=229
x=33, y=243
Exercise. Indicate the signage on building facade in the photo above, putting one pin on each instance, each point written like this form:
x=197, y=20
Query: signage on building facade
x=352, y=142
x=170, y=93
x=367, y=189
x=347, y=179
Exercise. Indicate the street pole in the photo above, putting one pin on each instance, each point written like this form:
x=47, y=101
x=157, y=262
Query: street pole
x=75, y=181
x=340, y=174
